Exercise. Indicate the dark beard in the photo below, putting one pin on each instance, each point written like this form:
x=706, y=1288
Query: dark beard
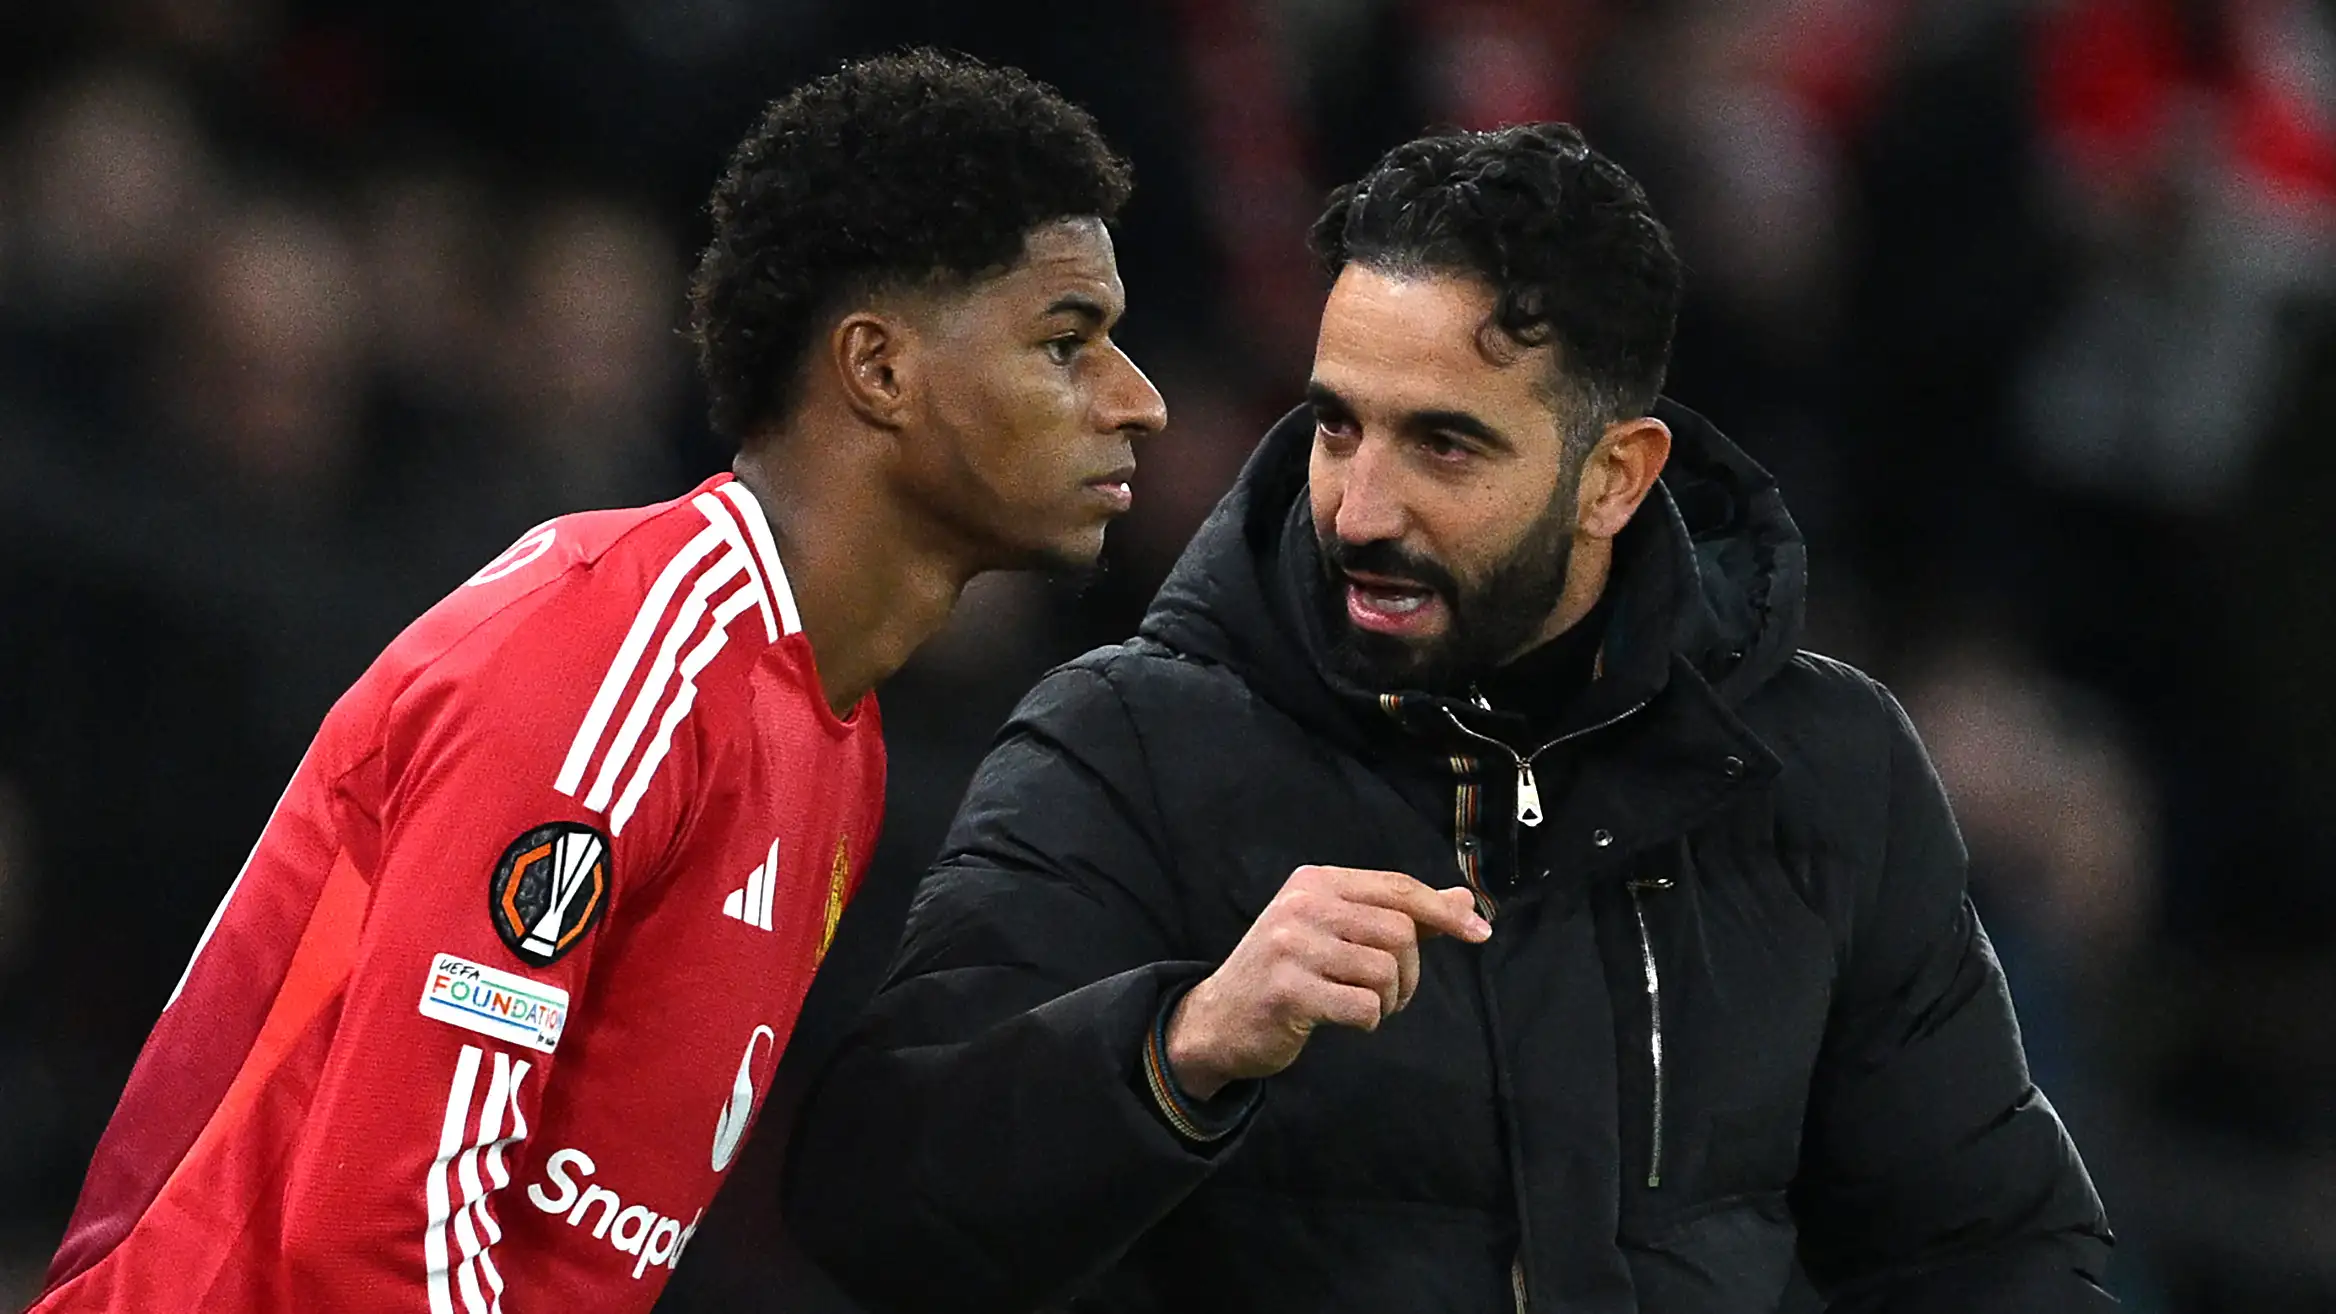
x=1491, y=621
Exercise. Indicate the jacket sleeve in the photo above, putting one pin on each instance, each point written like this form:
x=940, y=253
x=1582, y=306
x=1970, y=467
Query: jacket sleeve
x=985, y=1141
x=1935, y=1177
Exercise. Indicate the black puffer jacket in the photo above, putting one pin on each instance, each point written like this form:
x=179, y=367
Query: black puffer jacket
x=1735, y=1002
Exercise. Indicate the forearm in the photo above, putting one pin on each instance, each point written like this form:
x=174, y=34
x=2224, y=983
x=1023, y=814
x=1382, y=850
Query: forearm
x=1012, y=1166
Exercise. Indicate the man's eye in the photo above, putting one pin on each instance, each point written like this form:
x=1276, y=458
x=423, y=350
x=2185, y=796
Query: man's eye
x=1065, y=349
x=1443, y=446
x=1333, y=425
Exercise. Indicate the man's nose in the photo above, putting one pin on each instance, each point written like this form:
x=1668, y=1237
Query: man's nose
x=1130, y=404
x=1370, y=509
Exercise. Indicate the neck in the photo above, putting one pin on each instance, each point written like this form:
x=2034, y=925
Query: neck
x=870, y=583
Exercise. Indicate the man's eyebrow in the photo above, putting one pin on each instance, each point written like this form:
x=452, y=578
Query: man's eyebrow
x=1085, y=307
x=1322, y=397
x=1460, y=422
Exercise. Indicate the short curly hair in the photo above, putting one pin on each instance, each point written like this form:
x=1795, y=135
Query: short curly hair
x=1565, y=238
x=905, y=169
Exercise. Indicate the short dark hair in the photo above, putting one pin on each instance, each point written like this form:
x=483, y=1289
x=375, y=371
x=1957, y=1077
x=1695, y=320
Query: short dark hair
x=1565, y=238
x=904, y=169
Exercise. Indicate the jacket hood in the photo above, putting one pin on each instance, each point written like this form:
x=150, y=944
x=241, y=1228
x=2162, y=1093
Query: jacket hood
x=1712, y=573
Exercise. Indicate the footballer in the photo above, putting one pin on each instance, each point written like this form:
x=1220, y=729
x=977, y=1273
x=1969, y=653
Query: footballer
x=493, y=1003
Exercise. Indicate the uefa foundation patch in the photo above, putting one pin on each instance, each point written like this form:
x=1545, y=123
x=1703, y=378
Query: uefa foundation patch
x=549, y=888
x=502, y=1005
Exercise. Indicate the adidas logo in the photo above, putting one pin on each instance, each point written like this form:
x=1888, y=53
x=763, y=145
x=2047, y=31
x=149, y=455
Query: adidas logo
x=752, y=905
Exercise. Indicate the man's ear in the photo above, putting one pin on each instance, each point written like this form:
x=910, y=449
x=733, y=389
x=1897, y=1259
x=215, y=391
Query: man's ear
x=875, y=361
x=1619, y=472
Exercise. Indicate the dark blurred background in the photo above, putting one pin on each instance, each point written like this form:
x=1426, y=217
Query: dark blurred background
x=307, y=307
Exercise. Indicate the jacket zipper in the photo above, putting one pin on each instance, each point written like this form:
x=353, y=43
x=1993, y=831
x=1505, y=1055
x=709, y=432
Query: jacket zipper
x=1646, y=949
x=1529, y=813
x=1529, y=790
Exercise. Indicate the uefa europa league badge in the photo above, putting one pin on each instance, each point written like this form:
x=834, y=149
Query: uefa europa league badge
x=549, y=888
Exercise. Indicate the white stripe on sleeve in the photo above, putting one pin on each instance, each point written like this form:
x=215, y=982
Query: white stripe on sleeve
x=474, y=1223
x=758, y=528
x=628, y=657
x=652, y=690
x=718, y=515
x=699, y=658
x=451, y=1140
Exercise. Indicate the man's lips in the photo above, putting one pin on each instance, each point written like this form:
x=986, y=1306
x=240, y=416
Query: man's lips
x=1397, y=607
x=1116, y=488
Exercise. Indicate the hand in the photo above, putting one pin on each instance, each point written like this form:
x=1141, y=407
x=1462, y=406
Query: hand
x=1337, y=945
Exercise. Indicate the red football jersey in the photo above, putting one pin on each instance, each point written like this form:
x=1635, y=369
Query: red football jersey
x=494, y=1001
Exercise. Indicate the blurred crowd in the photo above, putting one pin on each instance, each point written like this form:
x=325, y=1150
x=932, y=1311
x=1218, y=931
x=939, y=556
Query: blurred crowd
x=307, y=307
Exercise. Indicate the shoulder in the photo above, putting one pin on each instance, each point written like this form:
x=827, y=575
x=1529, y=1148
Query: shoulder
x=610, y=573
x=1843, y=746
x=1137, y=685
x=589, y=570
x=580, y=651
x=1076, y=701
x=1813, y=675
x=1826, y=713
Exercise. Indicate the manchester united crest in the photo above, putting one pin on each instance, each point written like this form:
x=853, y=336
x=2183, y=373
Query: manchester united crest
x=839, y=888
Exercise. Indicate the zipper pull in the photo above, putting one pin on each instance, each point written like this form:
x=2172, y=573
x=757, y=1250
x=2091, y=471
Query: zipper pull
x=1528, y=795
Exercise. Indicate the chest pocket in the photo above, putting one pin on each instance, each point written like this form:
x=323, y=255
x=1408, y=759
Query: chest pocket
x=1330, y=812
x=1276, y=798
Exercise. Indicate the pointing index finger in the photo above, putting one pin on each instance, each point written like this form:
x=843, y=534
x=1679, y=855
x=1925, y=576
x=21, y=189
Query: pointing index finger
x=1448, y=911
